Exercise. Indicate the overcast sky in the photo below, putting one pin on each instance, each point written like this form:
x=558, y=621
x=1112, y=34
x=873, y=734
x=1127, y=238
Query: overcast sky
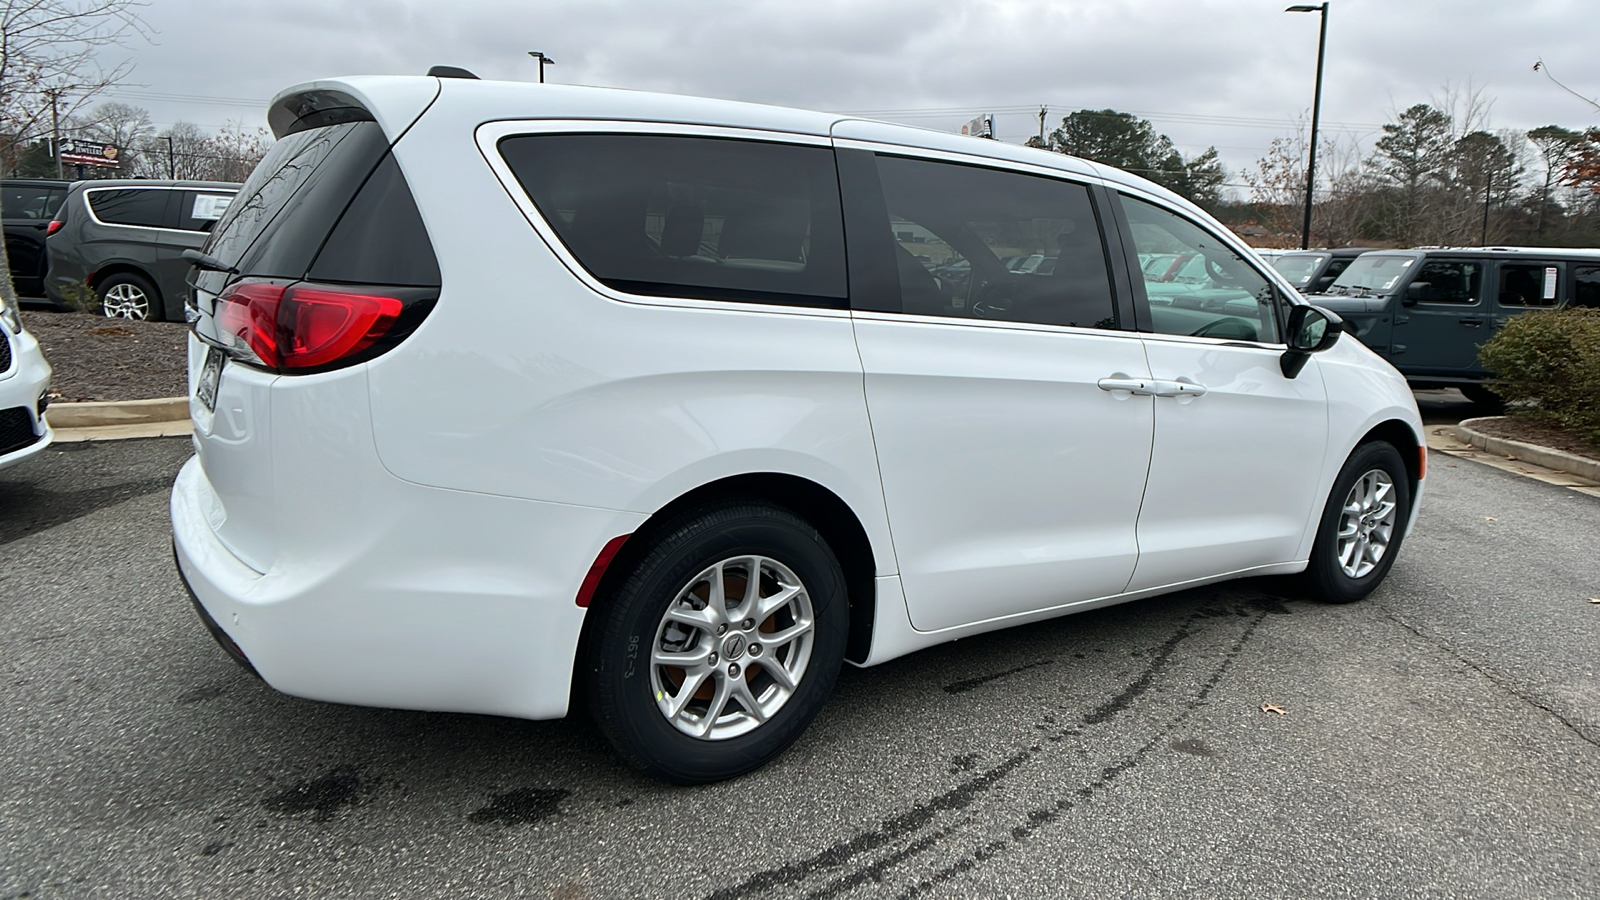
x=1232, y=74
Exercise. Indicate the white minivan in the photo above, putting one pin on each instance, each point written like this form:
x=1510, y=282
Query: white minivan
x=506, y=394
x=24, y=390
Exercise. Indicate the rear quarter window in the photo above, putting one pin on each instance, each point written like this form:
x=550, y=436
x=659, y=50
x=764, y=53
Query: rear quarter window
x=706, y=218
x=200, y=209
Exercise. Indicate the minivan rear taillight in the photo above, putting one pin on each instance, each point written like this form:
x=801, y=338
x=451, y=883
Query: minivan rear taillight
x=304, y=326
x=53, y=227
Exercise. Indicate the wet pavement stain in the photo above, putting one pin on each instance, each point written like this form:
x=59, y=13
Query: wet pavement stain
x=959, y=687
x=843, y=856
x=966, y=762
x=1194, y=747
x=323, y=797
x=200, y=695
x=524, y=806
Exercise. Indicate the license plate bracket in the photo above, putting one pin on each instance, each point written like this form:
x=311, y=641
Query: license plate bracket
x=210, y=377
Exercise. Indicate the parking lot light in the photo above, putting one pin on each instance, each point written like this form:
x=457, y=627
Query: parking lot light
x=1316, y=110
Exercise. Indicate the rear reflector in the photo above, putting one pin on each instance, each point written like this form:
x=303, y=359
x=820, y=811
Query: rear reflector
x=591, y=581
x=303, y=326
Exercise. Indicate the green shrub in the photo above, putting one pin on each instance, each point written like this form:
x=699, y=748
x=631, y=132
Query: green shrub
x=1551, y=360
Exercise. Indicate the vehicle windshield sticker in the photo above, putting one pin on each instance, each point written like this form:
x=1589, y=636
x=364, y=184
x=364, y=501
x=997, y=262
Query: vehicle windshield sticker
x=1390, y=283
x=210, y=206
x=1550, y=283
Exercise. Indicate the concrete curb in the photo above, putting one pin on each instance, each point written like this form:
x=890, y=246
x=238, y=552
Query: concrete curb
x=1559, y=460
x=126, y=412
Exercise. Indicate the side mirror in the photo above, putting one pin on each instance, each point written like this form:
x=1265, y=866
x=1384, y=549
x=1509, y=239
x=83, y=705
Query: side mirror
x=1416, y=291
x=1311, y=330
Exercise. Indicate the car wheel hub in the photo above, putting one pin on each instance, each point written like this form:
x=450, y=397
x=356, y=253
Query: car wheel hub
x=1366, y=523
x=732, y=647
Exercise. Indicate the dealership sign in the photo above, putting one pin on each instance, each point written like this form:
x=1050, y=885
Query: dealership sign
x=77, y=152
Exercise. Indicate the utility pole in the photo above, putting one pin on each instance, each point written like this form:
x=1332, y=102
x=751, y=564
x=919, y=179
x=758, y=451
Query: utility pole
x=543, y=61
x=1488, y=179
x=55, y=125
x=172, y=161
x=1043, y=111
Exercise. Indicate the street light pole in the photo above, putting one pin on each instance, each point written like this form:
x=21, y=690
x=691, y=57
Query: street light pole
x=1316, y=114
x=543, y=61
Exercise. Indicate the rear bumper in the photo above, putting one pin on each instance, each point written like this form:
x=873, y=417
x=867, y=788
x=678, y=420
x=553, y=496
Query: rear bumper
x=443, y=601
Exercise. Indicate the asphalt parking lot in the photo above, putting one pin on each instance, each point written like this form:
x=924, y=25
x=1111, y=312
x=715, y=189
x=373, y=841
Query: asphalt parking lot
x=1440, y=739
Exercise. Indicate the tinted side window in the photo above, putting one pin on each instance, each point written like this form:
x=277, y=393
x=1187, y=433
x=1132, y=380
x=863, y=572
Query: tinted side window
x=986, y=244
x=30, y=201
x=695, y=217
x=137, y=206
x=199, y=210
x=1586, y=286
x=1201, y=287
x=1451, y=282
x=1529, y=284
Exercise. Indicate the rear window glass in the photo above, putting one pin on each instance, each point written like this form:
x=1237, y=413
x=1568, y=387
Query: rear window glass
x=282, y=214
x=31, y=201
x=135, y=206
x=691, y=217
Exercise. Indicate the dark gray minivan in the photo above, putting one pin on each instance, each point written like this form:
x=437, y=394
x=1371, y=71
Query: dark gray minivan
x=117, y=246
x=1428, y=311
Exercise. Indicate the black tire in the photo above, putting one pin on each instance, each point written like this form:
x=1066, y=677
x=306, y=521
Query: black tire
x=629, y=693
x=1485, y=399
x=126, y=295
x=1326, y=577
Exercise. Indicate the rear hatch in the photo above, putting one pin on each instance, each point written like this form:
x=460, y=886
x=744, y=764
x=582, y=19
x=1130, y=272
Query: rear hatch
x=320, y=263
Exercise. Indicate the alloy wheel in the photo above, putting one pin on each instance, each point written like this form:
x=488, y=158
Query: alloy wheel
x=1366, y=523
x=732, y=647
x=126, y=301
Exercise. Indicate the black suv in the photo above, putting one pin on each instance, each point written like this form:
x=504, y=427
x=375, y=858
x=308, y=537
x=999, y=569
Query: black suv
x=27, y=205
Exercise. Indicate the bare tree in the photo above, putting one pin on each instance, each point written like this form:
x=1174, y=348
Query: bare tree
x=50, y=66
x=236, y=150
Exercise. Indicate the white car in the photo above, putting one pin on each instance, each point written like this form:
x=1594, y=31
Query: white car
x=506, y=391
x=24, y=391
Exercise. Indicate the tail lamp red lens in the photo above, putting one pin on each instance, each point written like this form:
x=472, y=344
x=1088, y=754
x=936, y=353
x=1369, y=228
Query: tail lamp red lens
x=53, y=227
x=303, y=326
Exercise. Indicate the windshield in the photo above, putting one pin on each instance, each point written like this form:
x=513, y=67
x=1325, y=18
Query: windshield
x=1300, y=267
x=1371, y=275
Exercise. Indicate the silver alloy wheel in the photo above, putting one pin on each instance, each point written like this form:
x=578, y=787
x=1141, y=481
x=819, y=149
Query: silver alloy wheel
x=1366, y=524
x=126, y=301
x=731, y=649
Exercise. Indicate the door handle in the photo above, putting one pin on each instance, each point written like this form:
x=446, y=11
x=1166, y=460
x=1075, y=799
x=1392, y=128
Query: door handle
x=1472, y=323
x=1139, y=386
x=1177, y=389
x=1149, y=387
